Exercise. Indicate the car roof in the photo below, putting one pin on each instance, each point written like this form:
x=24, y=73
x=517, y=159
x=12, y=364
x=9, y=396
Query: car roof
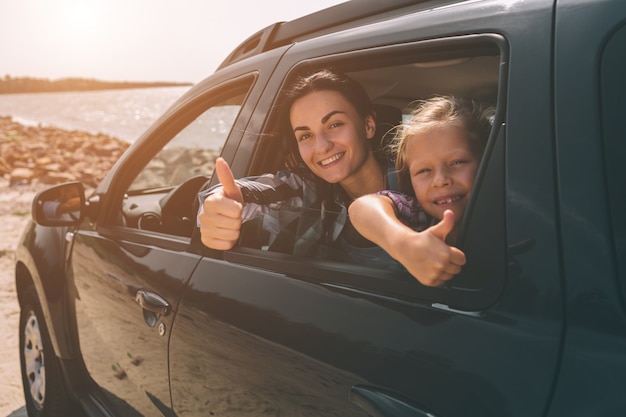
x=341, y=16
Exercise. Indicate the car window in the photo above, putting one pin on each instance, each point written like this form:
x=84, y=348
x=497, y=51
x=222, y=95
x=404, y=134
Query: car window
x=613, y=90
x=192, y=151
x=395, y=84
x=162, y=196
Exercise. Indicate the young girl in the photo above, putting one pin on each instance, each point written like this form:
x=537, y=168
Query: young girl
x=438, y=153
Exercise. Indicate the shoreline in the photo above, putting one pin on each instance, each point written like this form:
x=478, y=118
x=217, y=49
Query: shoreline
x=28, y=85
x=125, y=114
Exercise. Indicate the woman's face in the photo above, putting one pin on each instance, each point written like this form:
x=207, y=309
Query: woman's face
x=331, y=136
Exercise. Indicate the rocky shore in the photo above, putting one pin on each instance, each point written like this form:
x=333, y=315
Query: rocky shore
x=35, y=157
x=39, y=155
x=32, y=158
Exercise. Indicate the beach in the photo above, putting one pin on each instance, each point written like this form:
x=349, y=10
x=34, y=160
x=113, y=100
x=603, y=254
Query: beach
x=31, y=159
x=14, y=213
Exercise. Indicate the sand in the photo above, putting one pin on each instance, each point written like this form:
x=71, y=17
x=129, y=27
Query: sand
x=30, y=158
x=15, y=205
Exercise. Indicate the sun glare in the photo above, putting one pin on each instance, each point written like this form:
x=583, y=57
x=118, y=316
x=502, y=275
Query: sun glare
x=81, y=17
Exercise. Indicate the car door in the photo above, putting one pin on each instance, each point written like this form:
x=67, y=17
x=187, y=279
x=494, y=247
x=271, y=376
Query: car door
x=590, y=125
x=131, y=260
x=287, y=335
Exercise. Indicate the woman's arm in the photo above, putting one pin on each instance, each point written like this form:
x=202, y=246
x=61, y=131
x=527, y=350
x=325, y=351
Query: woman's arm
x=226, y=206
x=424, y=254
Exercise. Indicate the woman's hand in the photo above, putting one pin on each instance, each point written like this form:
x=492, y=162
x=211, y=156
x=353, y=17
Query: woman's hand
x=220, y=215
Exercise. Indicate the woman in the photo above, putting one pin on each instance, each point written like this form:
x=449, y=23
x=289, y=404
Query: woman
x=328, y=123
x=331, y=123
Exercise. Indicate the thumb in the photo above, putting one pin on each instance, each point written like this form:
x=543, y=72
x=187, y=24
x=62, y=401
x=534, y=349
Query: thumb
x=225, y=177
x=445, y=226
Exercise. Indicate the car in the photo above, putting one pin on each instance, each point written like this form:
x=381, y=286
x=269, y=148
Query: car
x=124, y=312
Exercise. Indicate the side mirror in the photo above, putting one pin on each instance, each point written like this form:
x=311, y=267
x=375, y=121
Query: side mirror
x=61, y=205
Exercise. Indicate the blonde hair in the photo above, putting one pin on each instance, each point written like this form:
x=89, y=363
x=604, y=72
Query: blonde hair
x=438, y=112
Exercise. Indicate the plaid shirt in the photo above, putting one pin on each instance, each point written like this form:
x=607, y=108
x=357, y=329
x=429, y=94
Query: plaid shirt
x=285, y=197
x=408, y=210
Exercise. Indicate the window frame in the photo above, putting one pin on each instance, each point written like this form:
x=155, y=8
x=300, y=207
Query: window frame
x=375, y=282
x=612, y=88
x=143, y=151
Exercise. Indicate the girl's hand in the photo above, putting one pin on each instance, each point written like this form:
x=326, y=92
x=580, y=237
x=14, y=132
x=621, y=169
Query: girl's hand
x=427, y=256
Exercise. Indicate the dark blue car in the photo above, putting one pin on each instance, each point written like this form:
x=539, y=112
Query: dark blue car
x=125, y=312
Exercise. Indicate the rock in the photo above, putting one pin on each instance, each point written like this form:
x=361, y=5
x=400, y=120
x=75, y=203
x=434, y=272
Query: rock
x=30, y=154
x=21, y=176
x=5, y=167
x=56, y=177
x=46, y=160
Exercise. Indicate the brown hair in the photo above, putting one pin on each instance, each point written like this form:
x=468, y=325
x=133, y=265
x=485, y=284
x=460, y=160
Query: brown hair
x=302, y=85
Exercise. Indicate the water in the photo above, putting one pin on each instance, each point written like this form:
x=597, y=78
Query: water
x=124, y=114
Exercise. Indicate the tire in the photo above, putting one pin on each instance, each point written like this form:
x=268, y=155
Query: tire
x=44, y=388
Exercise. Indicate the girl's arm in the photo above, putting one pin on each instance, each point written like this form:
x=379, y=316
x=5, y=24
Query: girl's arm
x=424, y=254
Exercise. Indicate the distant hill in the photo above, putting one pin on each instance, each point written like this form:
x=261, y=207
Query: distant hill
x=10, y=85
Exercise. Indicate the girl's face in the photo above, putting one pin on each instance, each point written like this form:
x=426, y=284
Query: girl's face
x=442, y=166
x=331, y=137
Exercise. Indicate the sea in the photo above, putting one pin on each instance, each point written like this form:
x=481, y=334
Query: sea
x=123, y=114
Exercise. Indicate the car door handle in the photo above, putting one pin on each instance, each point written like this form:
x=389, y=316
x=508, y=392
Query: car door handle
x=381, y=402
x=152, y=302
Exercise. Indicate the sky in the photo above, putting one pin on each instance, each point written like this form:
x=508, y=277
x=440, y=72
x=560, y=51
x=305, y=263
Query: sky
x=132, y=40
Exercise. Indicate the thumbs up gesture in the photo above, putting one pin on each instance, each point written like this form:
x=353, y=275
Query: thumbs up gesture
x=220, y=215
x=225, y=177
x=426, y=255
x=429, y=258
x=442, y=229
